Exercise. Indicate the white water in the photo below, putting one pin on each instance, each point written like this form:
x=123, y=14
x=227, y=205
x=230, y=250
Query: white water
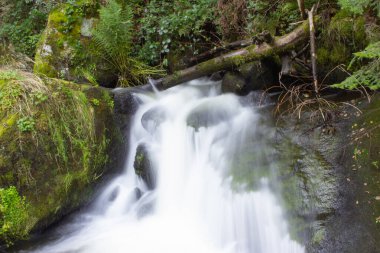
x=193, y=207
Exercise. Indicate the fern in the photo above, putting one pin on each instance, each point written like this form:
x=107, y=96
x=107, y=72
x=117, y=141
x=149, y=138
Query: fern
x=372, y=51
x=113, y=36
x=369, y=74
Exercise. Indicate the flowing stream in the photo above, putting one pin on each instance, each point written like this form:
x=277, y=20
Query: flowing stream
x=198, y=204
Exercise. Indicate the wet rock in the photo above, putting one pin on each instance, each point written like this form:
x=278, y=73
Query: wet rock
x=125, y=101
x=217, y=76
x=233, y=82
x=143, y=166
x=138, y=193
x=114, y=194
x=210, y=113
x=153, y=118
x=258, y=75
x=336, y=199
x=145, y=205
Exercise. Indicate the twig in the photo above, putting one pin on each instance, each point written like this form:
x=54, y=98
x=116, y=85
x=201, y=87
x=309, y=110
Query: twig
x=313, y=50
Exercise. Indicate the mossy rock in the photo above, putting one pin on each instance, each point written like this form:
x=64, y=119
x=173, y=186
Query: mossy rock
x=344, y=35
x=65, y=49
x=143, y=166
x=55, y=141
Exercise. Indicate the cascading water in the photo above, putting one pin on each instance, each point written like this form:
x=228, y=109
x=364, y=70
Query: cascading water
x=193, y=136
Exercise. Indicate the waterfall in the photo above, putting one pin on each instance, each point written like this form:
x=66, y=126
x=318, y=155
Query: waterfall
x=193, y=136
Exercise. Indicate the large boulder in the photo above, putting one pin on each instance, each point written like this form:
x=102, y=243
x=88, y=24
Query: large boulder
x=56, y=140
x=65, y=49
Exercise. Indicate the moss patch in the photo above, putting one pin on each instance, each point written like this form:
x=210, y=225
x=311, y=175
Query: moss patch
x=344, y=35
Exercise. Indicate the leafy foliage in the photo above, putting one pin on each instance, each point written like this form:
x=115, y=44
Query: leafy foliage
x=181, y=25
x=368, y=75
x=13, y=215
x=22, y=22
x=277, y=17
x=113, y=36
x=26, y=124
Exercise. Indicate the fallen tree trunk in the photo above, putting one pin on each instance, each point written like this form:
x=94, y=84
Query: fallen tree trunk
x=218, y=50
x=238, y=57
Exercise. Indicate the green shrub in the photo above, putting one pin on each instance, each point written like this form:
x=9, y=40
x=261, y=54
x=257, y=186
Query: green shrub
x=113, y=36
x=166, y=25
x=13, y=215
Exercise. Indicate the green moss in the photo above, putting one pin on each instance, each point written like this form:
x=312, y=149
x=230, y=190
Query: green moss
x=55, y=163
x=57, y=17
x=344, y=35
x=7, y=123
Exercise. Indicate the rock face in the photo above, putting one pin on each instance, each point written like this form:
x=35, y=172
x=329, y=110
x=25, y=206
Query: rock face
x=56, y=141
x=66, y=50
x=334, y=168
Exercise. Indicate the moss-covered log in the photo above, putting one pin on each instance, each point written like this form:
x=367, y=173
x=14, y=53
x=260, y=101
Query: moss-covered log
x=238, y=57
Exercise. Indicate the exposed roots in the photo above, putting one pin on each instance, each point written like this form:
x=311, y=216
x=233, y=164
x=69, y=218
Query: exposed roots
x=295, y=100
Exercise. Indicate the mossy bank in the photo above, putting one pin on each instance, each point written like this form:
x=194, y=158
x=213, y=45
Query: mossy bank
x=55, y=137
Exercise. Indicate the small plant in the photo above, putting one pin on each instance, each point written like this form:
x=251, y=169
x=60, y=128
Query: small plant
x=13, y=215
x=39, y=97
x=108, y=99
x=95, y=102
x=26, y=124
x=9, y=75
